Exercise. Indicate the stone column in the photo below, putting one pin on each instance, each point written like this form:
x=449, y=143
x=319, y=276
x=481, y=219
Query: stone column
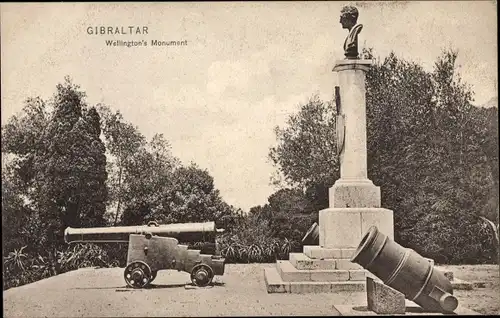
x=353, y=189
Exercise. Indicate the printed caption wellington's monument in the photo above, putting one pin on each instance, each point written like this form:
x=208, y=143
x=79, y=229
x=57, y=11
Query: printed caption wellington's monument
x=130, y=30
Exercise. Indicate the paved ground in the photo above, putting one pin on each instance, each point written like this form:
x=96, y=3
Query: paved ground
x=240, y=292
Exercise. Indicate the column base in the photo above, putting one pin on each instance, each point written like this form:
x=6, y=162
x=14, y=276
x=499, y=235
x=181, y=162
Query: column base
x=354, y=194
x=343, y=228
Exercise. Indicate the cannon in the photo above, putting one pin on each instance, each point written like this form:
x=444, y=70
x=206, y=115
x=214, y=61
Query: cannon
x=406, y=271
x=156, y=247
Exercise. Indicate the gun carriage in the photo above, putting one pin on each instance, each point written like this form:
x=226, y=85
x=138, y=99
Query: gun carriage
x=156, y=247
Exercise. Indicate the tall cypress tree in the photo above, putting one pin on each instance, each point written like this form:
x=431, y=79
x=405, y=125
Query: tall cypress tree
x=71, y=174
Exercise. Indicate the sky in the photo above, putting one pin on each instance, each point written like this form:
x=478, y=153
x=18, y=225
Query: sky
x=246, y=67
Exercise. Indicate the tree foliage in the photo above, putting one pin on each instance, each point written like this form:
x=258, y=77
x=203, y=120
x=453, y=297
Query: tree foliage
x=304, y=151
x=123, y=142
x=288, y=214
x=59, y=162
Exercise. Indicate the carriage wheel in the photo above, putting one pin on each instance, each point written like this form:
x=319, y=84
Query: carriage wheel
x=138, y=274
x=202, y=275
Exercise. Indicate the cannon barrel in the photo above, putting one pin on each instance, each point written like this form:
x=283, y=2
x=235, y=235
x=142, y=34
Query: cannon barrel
x=183, y=232
x=406, y=271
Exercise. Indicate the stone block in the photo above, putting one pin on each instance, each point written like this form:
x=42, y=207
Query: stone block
x=343, y=228
x=309, y=287
x=339, y=228
x=274, y=283
x=347, y=265
x=381, y=218
x=318, y=252
x=348, y=286
x=354, y=195
x=329, y=275
x=355, y=274
x=347, y=253
x=301, y=261
x=288, y=273
x=383, y=299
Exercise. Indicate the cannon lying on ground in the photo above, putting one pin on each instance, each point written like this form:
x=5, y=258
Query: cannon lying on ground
x=156, y=247
x=405, y=271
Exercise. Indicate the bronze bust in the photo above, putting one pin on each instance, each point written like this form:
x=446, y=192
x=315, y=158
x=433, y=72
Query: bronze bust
x=348, y=19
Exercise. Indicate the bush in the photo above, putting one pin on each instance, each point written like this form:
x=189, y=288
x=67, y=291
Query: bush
x=251, y=241
x=21, y=267
x=292, y=227
x=459, y=240
x=234, y=250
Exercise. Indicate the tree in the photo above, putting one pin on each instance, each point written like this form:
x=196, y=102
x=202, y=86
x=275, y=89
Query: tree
x=305, y=151
x=148, y=175
x=15, y=215
x=194, y=198
x=22, y=139
x=291, y=214
x=186, y=195
x=123, y=142
x=70, y=166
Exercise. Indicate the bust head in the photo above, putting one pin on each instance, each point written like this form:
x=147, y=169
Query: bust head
x=348, y=17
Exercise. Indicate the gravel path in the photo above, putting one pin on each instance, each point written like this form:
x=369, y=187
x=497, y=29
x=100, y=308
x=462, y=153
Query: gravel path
x=240, y=292
x=100, y=292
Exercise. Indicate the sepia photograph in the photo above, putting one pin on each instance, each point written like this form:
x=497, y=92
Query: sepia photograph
x=249, y=158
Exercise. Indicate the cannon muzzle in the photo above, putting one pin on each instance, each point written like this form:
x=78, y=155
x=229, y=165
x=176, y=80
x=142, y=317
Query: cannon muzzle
x=183, y=232
x=406, y=271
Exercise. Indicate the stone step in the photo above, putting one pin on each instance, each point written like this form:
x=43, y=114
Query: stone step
x=302, y=261
x=289, y=273
x=318, y=252
x=274, y=284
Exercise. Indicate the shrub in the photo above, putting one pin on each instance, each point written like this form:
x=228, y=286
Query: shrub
x=251, y=241
x=22, y=267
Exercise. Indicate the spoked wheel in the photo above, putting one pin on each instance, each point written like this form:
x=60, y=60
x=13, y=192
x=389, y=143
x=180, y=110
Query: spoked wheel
x=138, y=274
x=202, y=275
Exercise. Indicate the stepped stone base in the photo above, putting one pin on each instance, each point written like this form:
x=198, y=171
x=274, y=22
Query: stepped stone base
x=302, y=274
x=275, y=284
x=305, y=275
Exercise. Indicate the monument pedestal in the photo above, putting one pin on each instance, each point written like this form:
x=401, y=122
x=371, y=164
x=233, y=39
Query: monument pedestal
x=343, y=228
x=354, y=206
